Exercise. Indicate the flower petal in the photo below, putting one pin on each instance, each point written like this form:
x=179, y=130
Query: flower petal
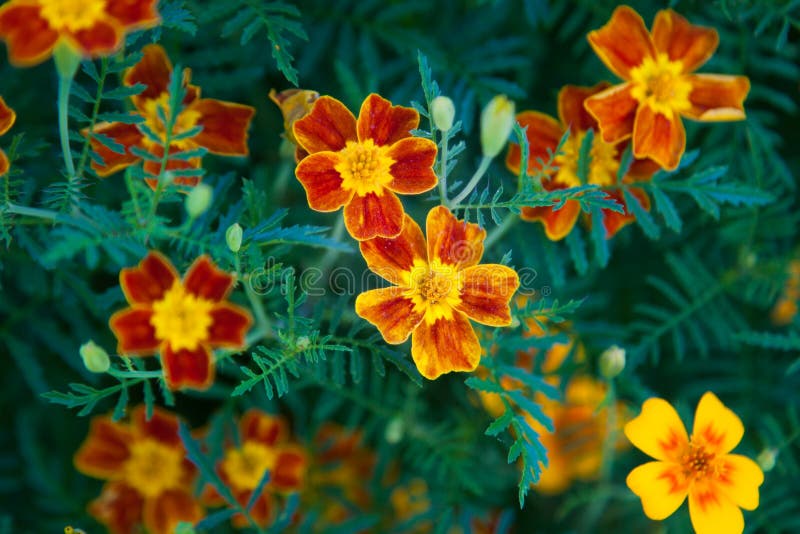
x=135, y=14
x=322, y=182
x=384, y=123
x=207, y=281
x=691, y=45
x=412, y=172
x=394, y=258
x=543, y=133
x=119, y=508
x=571, y=111
x=486, y=292
x=720, y=428
x=152, y=168
x=7, y=117
x=263, y=511
x=658, y=137
x=328, y=127
x=661, y=486
x=105, y=449
x=4, y=163
x=162, y=514
x=615, y=111
x=716, y=97
x=658, y=431
x=623, y=42
x=740, y=479
x=29, y=37
x=374, y=216
x=289, y=470
x=446, y=345
x=127, y=135
x=148, y=281
x=256, y=425
x=134, y=332
x=153, y=70
x=229, y=325
x=103, y=38
x=452, y=241
x=162, y=426
x=391, y=312
x=187, y=368
x=225, y=126
x=557, y=223
x=614, y=221
x=712, y=512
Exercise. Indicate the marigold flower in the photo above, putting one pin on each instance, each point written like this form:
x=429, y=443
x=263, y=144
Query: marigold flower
x=438, y=288
x=7, y=119
x=785, y=309
x=264, y=445
x=699, y=466
x=544, y=134
x=182, y=320
x=294, y=105
x=33, y=28
x=223, y=125
x=659, y=86
x=149, y=478
x=362, y=165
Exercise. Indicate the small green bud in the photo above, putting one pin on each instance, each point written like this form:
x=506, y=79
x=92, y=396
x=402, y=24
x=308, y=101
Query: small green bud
x=67, y=60
x=443, y=112
x=303, y=343
x=198, y=200
x=612, y=361
x=95, y=358
x=233, y=237
x=394, y=430
x=497, y=121
x=766, y=460
x=184, y=528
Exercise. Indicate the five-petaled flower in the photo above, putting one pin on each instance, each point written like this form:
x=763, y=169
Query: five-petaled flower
x=183, y=320
x=438, y=288
x=659, y=88
x=264, y=447
x=7, y=119
x=32, y=28
x=217, y=126
x=362, y=165
x=717, y=483
x=149, y=478
x=544, y=134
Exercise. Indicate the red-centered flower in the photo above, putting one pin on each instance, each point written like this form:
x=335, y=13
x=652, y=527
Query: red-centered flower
x=7, y=119
x=264, y=445
x=223, y=125
x=32, y=28
x=149, y=478
x=437, y=289
x=544, y=134
x=659, y=86
x=183, y=320
x=362, y=165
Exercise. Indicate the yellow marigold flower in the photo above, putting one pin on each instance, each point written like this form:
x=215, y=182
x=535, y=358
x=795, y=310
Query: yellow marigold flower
x=699, y=466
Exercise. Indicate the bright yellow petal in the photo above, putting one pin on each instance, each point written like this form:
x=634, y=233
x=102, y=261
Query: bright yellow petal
x=658, y=431
x=740, y=480
x=721, y=429
x=661, y=486
x=713, y=513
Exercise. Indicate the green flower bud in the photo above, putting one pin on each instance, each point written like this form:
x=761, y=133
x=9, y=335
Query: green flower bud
x=443, y=112
x=67, y=60
x=198, y=200
x=303, y=343
x=95, y=358
x=497, y=121
x=233, y=237
x=612, y=361
x=184, y=528
x=766, y=460
x=394, y=430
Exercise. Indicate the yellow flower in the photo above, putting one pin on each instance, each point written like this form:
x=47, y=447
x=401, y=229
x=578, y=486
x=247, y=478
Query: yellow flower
x=699, y=466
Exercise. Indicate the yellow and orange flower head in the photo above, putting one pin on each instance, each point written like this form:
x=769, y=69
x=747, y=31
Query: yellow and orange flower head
x=294, y=105
x=363, y=164
x=223, y=125
x=659, y=87
x=699, y=466
x=183, y=320
x=93, y=28
x=264, y=445
x=544, y=134
x=437, y=289
x=149, y=478
x=7, y=119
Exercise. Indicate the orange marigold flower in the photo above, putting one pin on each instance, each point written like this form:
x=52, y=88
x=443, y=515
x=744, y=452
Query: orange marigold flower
x=7, y=119
x=785, y=308
x=149, y=478
x=183, y=320
x=659, y=86
x=544, y=134
x=438, y=288
x=362, y=165
x=264, y=445
x=32, y=28
x=294, y=105
x=717, y=483
x=222, y=125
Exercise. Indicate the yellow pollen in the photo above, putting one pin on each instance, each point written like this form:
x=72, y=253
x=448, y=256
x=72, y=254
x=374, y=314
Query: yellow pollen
x=246, y=465
x=72, y=15
x=153, y=467
x=660, y=84
x=435, y=289
x=697, y=463
x=186, y=120
x=182, y=319
x=365, y=167
x=602, y=167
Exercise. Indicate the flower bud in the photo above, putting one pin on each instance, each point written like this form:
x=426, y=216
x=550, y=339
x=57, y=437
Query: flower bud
x=198, y=200
x=294, y=104
x=443, y=112
x=233, y=237
x=497, y=121
x=95, y=358
x=184, y=528
x=394, y=430
x=612, y=361
x=303, y=343
x=766, y=460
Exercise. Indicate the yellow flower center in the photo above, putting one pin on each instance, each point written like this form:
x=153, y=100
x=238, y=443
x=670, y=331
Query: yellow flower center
x=660, y=84
x=246, y=465
x=365, y=167
x=182, y=319
x=185, y=121
x=434, y=290
x=603, y=165
x=153, y=467
x=697, y=462
x=72, y=15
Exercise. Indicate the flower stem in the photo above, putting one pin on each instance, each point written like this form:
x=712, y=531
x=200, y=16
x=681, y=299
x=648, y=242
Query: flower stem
x=262, y=322
x=499, y=231
x=443, y=171
x=473, y=182
x=64, y=85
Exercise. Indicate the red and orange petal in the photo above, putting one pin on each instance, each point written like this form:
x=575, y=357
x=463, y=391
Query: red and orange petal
x=118, y=508
x=614, y=221
x=225, y=126
x=543, y=133
x=4, y=163
x=162, y=427
x=148, y=281
x=327, y=127
x=384, y=123
x=153, y=71
x=623, y=43
x=256, y=425
x=374, y=215
x=444, y=346
x=7, y=117
x=207, y=281
x=29, y=38
x=294, y=105
x=486, y=292
x=152, y=168
x=615, y=112
x=134, y=332
x=290, y=468
x=451, y=241
x=229, y=326
x=392, y=313
x=263, y=511
x=162, y=514
x=322, y=182
x=127, y=135
x=185, y=368
x=681, y=41
x=412, y=170
x=105, y=449
x=658, y=137
x=717, y=97
x=571, y=111
x=393, y=258
x=558, y=223
x=134, y=14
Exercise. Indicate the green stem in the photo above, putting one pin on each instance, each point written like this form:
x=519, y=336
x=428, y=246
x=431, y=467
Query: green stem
x=64, y=85
x=499, y=231
x=38, y=213
x=95, y=112
x=473, y=182
x=443, y=171
x=262, y=322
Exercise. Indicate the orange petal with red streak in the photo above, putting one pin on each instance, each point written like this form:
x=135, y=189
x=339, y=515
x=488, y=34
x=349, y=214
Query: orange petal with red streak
x=452, y=241
x=162, y=514
x=384, y=123
x=557, y=223
x=135, y=334
x=134, y=14
x=105, y=449
x=152, y=168
x=128, y=135
x=263, y=511
x=207, y=281
x=101, y=39
x=571, y=111
x=614, y=221
x=623, y=43
x=486, y=292
x=412, y=170
x=7, y=117
x=148, y=281
x=393, y=258
x=328, y=127
x=715, y=97
x=659, y=137
x=162, y=426
x=258, y=426
x=615, y=111
x=4, y=163
x=119, y=508
x=445, y=346
x=392, y=313
x=153, y=70
x=290, y=468
x=322, y=182
x=29, y=37
x=186, y=368
x=229, y=326
x=691, y=45
x=225, y=126
x=543, y=133
x=374, y=216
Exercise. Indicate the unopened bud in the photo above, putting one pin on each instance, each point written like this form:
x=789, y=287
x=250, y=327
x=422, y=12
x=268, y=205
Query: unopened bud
x=303, y=343
x=199, y=200
x=766, y=460
x=443, y=112
x=233, y=237
x=95, y=358
x=394, y=431
x=184, y=528
x=612, y=361
x=497, y=121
